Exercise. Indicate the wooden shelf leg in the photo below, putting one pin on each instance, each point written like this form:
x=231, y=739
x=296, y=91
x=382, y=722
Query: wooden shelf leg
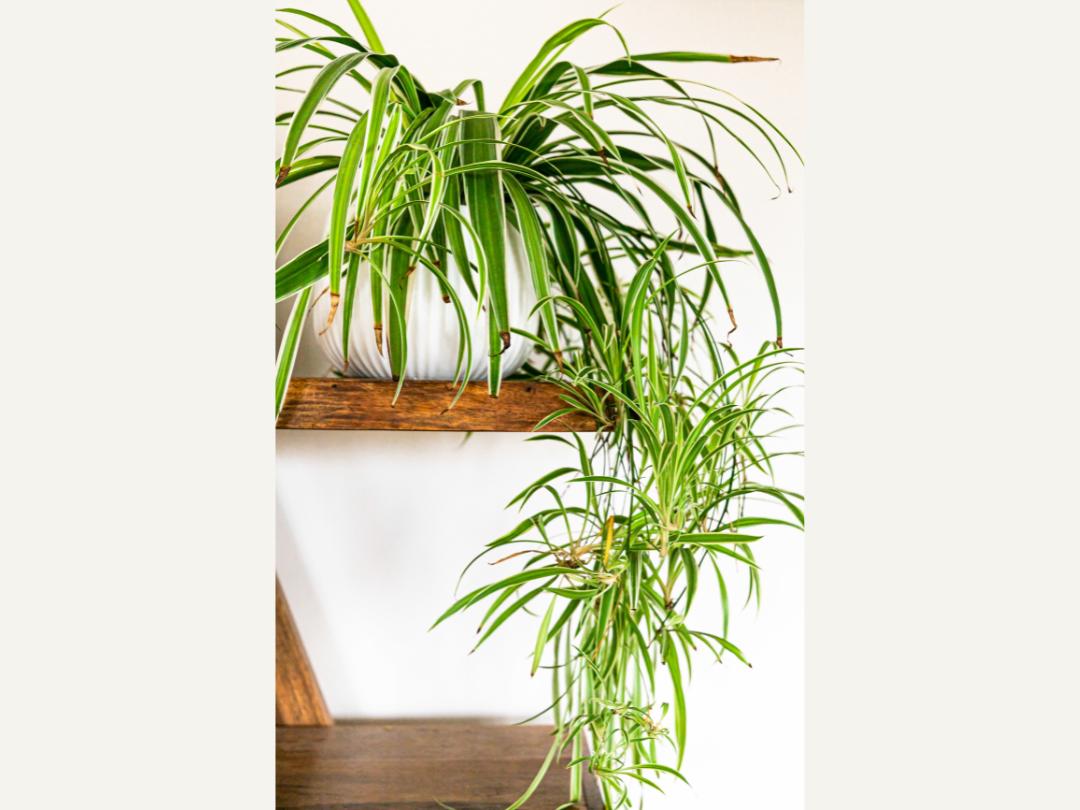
x=299, y=699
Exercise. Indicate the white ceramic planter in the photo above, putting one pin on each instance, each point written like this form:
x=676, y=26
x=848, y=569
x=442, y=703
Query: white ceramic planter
x=432, y=327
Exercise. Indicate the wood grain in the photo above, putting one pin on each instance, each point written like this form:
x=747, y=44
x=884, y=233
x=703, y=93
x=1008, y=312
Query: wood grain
x=331, y=403
x=413, y=766
x=299, y=699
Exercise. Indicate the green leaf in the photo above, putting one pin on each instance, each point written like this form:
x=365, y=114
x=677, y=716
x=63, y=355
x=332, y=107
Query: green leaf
x=279, y=243
x=320, y=87
x=727, y=645
x=480, y=593
x=337, y=29
x=352, y=277
x=484, y=195
x=532, y=236
x=506, y=614
x=398, y=289
x=527, y=493
x=552, y=753
x=671, y=658
x=365, y=25
x=541, y=637
x=300, y=272
x=656, y=766
x=547, y=55
x=694, y=56
x=339, y=213
x=287, y=350
x=712, y=538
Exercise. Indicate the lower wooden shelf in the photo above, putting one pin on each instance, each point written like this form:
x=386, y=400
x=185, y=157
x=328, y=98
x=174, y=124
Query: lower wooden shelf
x=415, y=765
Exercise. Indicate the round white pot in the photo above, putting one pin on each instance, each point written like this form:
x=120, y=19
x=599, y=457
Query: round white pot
x=432, y=328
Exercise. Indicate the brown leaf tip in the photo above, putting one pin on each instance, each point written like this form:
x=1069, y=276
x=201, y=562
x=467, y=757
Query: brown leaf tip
x=283, y=172
x=335, y=299
x=755, y=59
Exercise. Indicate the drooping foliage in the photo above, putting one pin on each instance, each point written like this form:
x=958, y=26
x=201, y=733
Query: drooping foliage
x=574, y=161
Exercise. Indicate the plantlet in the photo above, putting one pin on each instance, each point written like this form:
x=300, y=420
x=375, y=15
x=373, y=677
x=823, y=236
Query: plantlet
x=620, y=227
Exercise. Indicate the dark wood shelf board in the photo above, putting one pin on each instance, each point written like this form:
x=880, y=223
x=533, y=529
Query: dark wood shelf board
x=415, y=765
x=332, y=403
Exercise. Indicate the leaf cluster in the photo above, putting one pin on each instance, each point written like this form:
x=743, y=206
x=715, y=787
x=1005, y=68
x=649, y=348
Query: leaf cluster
x=614, y=546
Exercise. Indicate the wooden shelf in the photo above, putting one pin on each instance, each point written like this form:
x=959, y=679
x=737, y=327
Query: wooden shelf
x=323, y=765
x=332, y=403
x=416, y=765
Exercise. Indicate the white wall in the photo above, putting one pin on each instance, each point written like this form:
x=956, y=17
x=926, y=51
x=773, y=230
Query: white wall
x=373, y=528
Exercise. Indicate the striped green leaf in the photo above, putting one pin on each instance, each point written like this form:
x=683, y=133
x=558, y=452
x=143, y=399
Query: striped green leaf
x=320, y=88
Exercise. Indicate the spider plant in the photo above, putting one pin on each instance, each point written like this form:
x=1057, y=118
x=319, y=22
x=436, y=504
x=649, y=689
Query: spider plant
x=620, y=226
